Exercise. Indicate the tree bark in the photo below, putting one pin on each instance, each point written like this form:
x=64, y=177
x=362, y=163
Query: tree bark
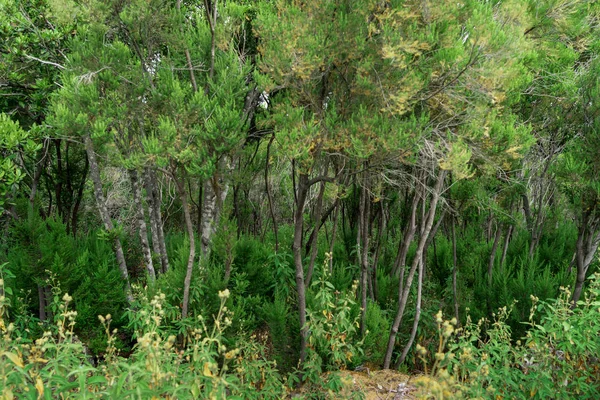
x=454, y=271
x=179, y=183
x=497, y=237
x=314, y=237
x=59, y=179
x=411, y=229
x=104, y=215
x=156, y=223
x=333, y=233
x=403, y=297
x=269, y=196
x=413, y=332
x=588, y=241
x=363, y=226
x=141, y=219
x=301, y=193
x=506, y=243
x=215, y=193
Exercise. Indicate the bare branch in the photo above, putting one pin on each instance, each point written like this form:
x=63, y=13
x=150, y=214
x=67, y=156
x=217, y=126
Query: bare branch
x=44, y=61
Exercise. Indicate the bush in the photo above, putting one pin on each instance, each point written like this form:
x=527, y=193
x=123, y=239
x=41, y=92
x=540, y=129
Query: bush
x=556, y=359
x=56, y=364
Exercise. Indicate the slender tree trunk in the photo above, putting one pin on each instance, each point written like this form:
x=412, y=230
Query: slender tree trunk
x=488, y=229
x=141, y=219
x=588, y=241
x=454, y=271
x=416, y=260
x=333, y=233
x=154, y=204
x=313, y=239
x=104, y=215
x=497, y=237
x=179, y=183
x=301, y=193
x=214, y=196
x=364, y=261
x=413, y=332
x=59, y=179
x=153, y=221
x=506, y=243
x=209, y=203
x=411, y=229
x=269, y=196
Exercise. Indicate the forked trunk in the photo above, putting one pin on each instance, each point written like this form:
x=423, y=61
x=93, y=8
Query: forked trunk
x=413, y=332
x=314, y=237
x=104, y=215
x=588, y=241
x=403, y=298
x=141, y=219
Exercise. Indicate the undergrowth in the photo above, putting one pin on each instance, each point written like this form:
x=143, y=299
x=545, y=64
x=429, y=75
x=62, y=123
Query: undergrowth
x=557, y=358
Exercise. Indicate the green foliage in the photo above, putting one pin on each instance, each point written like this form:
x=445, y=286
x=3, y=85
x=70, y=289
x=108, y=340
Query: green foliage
x=42, y=252
x=332, y=324
x=283, y=335
x=56, y=363
x=378, y=327
x=556, y=358
x=14, y=143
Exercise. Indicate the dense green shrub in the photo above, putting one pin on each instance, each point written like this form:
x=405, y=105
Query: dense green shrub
x=557, y=358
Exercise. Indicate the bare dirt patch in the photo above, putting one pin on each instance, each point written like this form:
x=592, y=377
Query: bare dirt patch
x=381, y=385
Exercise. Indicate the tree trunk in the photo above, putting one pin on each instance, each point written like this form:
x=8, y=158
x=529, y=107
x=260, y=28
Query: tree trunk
x=215, y=193
x=143, y=230
x=179, y=183
x=454, y=271
x=314, y=237
x=588, y=241
x=59, y=179
x=269, y=196
x=104, y=215
x=318, y=226
x=497, y=237
x=413, y=332
x=365, y=208
x=505, y=247
x=156, y=223
x=301, y=194
x=416, y=260
x=411, y=229
x=333, y=233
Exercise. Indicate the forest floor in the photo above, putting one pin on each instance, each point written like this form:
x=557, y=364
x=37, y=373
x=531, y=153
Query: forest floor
x=374, y=385
x=382, y=384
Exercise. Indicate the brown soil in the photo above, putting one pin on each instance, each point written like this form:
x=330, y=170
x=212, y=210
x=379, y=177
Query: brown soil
x=380, y=385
